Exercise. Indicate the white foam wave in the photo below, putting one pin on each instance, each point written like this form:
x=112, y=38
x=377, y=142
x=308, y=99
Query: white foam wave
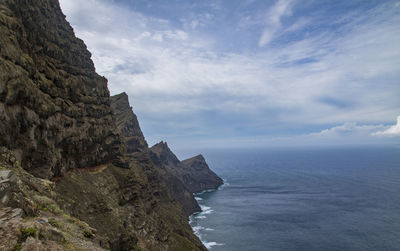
x=205, y=210
x=211, y=244
x=224, y=185
x=208, y=244
x=191, y=219
x=205, y=191
x=197, y=229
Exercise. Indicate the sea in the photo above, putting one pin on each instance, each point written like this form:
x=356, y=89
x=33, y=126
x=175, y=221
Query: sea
x=302, y=199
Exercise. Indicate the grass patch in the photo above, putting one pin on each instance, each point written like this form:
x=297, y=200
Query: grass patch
x=24, y=234
x=46, y=204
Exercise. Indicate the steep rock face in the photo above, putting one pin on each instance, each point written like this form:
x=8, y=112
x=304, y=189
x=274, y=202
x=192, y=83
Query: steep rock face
x=128, y=123
x=138, y=151
x=166, y=160
x=193, y=172
x=54, y=109
x=197, y=176
x=162, y=154
x=128, y=208
x=169, y=196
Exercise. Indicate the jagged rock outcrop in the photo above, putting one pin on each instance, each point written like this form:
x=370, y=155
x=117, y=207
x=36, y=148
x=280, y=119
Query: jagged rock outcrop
x=197, y=176
x=54, y=109
x=138, y=151
x=162, y=155
x=166, y=160
x=128, y=123
x=193, y=173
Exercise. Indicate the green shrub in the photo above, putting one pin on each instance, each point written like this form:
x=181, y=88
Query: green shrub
x=54, y=223
x=27, y=232
x=17, y=247
x=88, y=234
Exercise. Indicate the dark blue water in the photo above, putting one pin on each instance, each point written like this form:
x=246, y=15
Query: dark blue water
x=303, y=199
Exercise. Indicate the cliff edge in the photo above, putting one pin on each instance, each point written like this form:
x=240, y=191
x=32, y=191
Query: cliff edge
x=197, y=176
x=193, y=173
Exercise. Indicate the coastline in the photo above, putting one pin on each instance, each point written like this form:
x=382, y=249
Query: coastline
x=194, y=218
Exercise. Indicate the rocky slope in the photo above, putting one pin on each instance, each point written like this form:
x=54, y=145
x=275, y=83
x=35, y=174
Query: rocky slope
x=29, y=217
x=76, y=171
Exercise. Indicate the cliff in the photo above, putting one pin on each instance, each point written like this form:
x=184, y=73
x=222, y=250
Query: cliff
x=197, y=176
x=75, y=170
x=166, y=160
x=54, y=108
x=194, y=173
x=128, y=123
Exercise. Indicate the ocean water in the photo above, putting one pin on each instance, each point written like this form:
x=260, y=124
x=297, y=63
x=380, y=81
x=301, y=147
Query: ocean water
x=302, y=199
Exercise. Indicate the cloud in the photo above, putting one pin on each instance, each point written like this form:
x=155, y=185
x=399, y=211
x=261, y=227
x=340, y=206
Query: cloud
x=348, y=133
x=391, y=131
x=178, y=78
x=299, y=24
x=347, y=129
x=280, y=9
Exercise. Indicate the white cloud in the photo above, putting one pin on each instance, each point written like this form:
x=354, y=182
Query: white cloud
x=347, y=129
x=280, y=9
x=348, y=133
x=172, y=73
x=391, y=131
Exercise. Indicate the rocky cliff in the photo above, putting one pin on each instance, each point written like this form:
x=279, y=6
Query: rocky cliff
x=128, y=123
x=166, y=160
x=193, y=173
x=55, y=110
x=73, y=159
x=197, y=176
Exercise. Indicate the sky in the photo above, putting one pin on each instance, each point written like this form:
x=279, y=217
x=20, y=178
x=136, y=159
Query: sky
x=250, y=73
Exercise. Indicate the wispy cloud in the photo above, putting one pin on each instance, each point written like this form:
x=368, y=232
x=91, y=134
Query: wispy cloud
x=273, y=20
x=178, y=81
x=299, y=24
